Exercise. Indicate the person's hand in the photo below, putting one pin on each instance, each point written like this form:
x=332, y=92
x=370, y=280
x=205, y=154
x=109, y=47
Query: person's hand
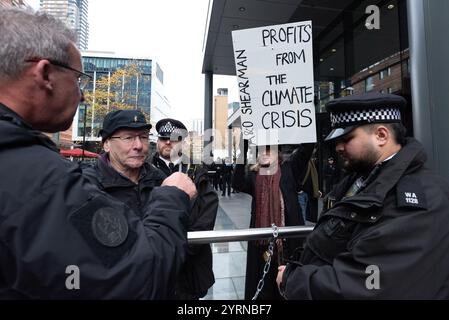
x=183, y=182
x=279, y=276
x=320, y=194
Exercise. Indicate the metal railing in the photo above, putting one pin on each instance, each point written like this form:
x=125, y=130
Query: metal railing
x=202, y=237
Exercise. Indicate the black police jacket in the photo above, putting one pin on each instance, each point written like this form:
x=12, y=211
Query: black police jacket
x=161, y=165
x=390, y=241
x=136, y=196
x=196, y=275
x=63, y=238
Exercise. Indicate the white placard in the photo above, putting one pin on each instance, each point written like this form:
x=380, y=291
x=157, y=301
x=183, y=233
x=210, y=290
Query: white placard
x=274, y=68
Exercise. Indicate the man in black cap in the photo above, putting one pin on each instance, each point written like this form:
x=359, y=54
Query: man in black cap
x=384, y=234
x=60, y=236
x=122, y=170
x=171, y=134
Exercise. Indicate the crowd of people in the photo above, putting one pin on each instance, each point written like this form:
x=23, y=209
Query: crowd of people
x=121, y=224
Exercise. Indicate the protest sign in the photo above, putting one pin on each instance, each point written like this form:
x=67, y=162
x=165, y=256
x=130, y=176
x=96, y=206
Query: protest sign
x=274, y=68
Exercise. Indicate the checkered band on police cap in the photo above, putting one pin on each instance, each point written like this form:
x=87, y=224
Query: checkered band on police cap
x=167, y=127
x=353, y=117
x=347, y=113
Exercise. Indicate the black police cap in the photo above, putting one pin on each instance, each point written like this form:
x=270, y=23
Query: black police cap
x=122, y=119
x=166, y=127
x=347, y=113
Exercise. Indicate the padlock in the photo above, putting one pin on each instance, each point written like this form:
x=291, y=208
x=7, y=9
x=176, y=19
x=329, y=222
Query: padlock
x=266, y=255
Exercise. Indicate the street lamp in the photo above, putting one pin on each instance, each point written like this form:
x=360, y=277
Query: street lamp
x=84, y=128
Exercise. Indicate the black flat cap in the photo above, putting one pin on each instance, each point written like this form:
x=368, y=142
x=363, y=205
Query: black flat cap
x=347, y=113
x=167, y=128
x=122, y=119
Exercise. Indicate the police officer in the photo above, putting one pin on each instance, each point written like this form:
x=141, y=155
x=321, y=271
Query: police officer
x=196, y=275
x=171, y=134
x=60, y=236
x=384, y=234
x=122, y=170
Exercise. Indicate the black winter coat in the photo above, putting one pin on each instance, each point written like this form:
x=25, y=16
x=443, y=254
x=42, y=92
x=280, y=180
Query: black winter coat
x=136, y=196
x=54, y=221
x=196, y=275
x=394, y=232
x=292, y=172
x=160, y=164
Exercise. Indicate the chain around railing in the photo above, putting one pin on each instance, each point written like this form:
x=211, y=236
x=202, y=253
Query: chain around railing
x=266, y=268
x=203, y=237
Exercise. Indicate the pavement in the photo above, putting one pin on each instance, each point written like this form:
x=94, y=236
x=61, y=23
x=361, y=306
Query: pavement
x=229, y=258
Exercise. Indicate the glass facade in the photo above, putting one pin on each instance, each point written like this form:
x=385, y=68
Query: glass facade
x=353, y=57
x=117, y=83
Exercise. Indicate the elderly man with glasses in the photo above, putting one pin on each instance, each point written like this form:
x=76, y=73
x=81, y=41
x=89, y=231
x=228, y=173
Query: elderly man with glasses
x=60, y=236
x=122, y=170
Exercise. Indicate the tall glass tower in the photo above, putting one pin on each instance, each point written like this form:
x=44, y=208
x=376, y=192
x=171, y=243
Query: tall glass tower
x=74, y=13
x=12, y=3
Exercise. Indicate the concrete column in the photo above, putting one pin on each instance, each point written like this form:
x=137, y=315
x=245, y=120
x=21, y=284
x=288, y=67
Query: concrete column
x=207, y=124
x=429, y=51
x=208, y=100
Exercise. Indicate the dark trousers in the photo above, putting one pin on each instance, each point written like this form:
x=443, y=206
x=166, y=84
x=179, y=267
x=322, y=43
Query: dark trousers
x=226, y=184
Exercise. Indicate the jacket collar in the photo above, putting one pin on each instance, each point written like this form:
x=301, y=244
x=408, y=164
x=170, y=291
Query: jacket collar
x=410, y=158
x=110, y=177
x=15, y=131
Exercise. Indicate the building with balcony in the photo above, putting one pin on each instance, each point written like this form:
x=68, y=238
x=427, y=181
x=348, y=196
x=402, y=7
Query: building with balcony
x=13, y=3
x=74, y=13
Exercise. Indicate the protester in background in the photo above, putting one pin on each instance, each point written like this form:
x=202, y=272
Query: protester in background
x=121, y=170
x=212, y=174
x=226, y=174
x=383, y=233
x=196, y=276
x=61, y=237
x=272, y=183
x=218, y=178
x=309, y=191
x=331, y=174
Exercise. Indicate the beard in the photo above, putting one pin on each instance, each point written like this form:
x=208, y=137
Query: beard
x=360, y=163
x=165, y=152
x=171, y=153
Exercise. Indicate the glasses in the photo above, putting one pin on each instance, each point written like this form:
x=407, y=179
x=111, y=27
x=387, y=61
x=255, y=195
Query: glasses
x=128, y=139
x=83, y=78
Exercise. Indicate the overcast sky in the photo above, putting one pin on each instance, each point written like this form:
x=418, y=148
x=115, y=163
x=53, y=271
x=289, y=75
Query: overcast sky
x=169, y=31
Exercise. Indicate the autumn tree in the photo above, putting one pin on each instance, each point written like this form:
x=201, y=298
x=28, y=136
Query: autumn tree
x=118, y=90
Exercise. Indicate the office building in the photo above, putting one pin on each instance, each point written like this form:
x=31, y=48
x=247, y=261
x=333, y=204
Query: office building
x=220, y=122
x=396, y=46
x=118, y=82
x=74, y=13
x=13, y=3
